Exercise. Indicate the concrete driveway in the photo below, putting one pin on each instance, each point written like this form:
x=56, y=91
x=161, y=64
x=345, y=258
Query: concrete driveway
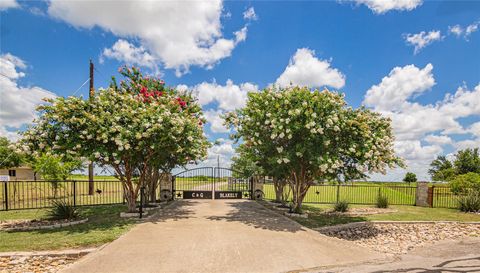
x=221, y=236
x=446, y=256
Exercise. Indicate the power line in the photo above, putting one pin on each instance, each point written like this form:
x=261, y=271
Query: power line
x=6, y=158
x=80, y=87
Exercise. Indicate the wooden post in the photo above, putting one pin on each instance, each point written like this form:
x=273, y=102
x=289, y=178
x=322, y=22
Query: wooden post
x=6, y=194
x=430, y=196
x=91, y=186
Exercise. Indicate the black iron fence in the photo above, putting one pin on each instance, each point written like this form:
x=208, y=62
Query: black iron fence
x=42, y=194
x=442, y=197
x=354, y=194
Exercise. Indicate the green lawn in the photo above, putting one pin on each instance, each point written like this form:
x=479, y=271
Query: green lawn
x=104, y=225
x=404, y=213
x=96, y=177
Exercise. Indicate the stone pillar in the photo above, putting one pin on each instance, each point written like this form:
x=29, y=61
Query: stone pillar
x=166, y=187
x=257, y=187
x=421, y=198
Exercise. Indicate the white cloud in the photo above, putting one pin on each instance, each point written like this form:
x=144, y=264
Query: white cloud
x=124, y=51
x=471, y=28
x=307, y=70
x=412, y=150
x=456, y=30
x=463, y=103
x=438, y=140
x=250, y=14
x=464, y=32
x=222, y=152
x=215, y=121
x=17, y=104
x=177, y=34
x=400, y=84
x=413, y=122
x=228, y=97
x=9, y=64
x=8, y=4
x=383, y=6
x=475, y=129
x=422, y=39
x=468, y=143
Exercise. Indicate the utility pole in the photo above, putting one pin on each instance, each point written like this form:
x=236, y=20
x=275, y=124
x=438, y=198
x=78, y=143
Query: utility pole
x=90, y=165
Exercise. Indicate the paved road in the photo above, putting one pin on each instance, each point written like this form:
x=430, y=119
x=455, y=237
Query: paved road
x=446, y=256
x=220, y=236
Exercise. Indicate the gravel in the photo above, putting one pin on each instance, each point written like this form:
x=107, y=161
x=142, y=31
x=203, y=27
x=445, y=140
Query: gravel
x=38, y=263
x=401, y=238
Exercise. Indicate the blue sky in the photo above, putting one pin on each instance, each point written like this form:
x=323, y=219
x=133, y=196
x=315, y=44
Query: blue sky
x=400, y=57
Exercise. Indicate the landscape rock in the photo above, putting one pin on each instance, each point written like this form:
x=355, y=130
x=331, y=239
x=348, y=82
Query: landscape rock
x=401, y=238
x=36, y=263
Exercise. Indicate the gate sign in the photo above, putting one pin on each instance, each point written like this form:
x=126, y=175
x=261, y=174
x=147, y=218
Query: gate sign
x=4, y=178
x=197, y=194
x=228, y=195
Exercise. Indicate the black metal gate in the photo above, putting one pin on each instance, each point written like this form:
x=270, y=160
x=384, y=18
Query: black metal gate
x=211, y=183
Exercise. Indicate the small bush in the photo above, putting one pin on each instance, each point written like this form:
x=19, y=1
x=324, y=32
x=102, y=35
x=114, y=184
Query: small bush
x=463, y=184
x=61, y=210
x=341, y=206
x=382, y=202
x=470, y=202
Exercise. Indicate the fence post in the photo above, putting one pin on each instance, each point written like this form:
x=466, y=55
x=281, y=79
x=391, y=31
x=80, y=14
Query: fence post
x=74, y=193
x=6, y=194
x=338, y=192
x=431, y=192
x=422, y=194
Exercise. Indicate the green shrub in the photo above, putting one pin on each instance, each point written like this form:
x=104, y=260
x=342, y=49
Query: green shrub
x=341, y=206
x=470, y=202
x=463, y=184
x=382, y=201
x=62, y=210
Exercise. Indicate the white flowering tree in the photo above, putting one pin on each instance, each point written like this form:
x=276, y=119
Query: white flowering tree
x=313, y=136
x=249, y=161
x=128, y=130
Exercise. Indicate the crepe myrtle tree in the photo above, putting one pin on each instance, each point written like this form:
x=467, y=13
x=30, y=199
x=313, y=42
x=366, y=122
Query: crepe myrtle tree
x=250, y=161
x=149, y=88
x=129, y=131
x=312, y=135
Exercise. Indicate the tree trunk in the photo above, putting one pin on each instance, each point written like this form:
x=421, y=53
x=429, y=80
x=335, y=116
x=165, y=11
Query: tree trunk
x=152, y=176
x=281, y=196
x=286, y=193
x=299, y=185
x=153, y=185
x=131, y=201
x=131, y=194
x=278, y=190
